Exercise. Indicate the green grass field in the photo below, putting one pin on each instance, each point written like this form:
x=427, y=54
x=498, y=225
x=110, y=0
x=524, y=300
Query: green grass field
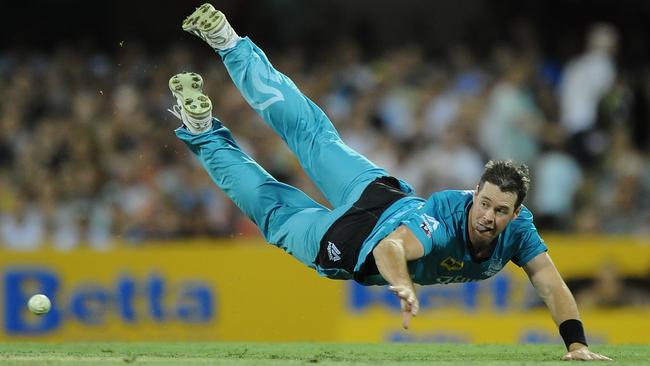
x=185, y=353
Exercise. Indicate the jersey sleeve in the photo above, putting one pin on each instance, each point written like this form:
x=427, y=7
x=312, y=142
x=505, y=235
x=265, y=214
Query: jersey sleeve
x=422, y=230
x=530, y=243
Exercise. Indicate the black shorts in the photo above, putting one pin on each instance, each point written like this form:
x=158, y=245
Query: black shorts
x=342, y=242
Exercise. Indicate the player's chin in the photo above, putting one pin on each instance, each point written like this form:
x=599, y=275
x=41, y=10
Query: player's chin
x=486, y=236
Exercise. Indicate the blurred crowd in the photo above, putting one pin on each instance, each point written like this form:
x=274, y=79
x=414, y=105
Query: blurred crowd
x=88, y=156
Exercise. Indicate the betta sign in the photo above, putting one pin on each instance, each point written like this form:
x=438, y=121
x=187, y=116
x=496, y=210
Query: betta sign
x=130, y=300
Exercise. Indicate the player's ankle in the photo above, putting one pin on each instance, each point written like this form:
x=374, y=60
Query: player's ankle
x=198, y=126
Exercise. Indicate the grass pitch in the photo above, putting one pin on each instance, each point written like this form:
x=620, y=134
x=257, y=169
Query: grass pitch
x=188, y=353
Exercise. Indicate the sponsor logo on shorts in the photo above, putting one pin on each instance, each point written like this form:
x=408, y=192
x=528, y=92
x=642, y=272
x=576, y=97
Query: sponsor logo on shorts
x=333, y=252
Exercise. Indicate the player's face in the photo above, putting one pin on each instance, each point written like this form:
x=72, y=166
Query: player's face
x=491, y=212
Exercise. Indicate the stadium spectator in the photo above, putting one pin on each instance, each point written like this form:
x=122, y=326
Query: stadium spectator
x=558, y=178
x=512, y=120
x=452, y=163
x=585, y=81
x=22, y=226
x=610, y=290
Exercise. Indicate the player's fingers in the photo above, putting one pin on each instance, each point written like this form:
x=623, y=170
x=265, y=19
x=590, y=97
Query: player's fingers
x=399, y=294
x=406, y=319
x=405, y=305
x=576, y=355
x=410, y=298
x=585, y=356
x=415, y=307
x=602, y=357
x=402, y=293
x=397, y=290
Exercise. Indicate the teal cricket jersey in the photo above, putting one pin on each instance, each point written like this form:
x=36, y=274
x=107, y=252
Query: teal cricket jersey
x=440, y=224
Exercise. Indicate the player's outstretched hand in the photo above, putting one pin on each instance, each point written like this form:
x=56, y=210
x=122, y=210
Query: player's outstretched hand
x=409, y=302
x=584, y=354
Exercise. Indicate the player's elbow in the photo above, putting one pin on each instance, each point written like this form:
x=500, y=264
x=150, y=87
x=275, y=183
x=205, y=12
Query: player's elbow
x=389, y=248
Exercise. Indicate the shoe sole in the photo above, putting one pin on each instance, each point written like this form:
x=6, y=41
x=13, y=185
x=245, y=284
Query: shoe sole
x=205, y=19
x=188, y=87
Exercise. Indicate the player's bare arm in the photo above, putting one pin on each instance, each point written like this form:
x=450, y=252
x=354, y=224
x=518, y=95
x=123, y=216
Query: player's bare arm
x=558, y=298
x=391, y=256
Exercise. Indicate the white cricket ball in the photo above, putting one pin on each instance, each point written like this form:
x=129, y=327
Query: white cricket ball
x=39, y=304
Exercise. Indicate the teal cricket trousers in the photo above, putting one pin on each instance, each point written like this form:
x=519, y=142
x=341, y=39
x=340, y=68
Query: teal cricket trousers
x=286, y=216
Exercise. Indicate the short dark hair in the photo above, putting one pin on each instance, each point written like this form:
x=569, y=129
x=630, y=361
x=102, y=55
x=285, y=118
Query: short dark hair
x=508, y=176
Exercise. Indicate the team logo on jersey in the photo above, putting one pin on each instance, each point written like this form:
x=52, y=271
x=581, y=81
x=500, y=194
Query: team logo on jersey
x=429, y=224
x=333, y=252
x=425, y=228
x=452, y=264
x=494, y=268
x=432, y=221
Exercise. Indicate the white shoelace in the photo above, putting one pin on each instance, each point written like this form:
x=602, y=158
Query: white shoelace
x=195, y=126
x=176, y=111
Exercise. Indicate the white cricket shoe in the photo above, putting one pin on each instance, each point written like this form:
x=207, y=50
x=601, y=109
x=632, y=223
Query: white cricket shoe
x=212, y=26
x=193, y=107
